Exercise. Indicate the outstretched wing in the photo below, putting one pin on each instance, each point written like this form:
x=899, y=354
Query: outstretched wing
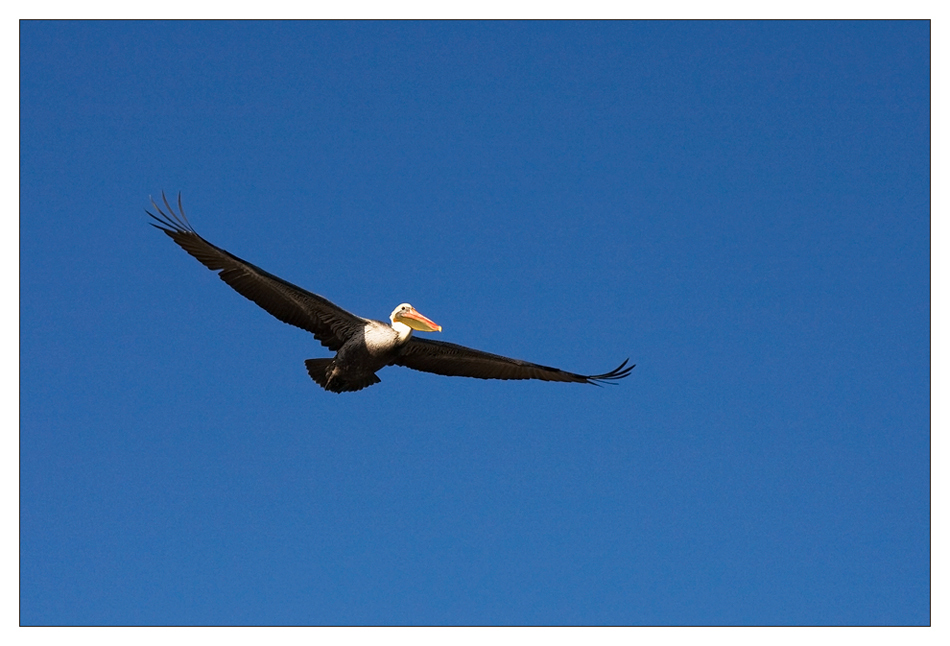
x=458, y=361
x=328, y=323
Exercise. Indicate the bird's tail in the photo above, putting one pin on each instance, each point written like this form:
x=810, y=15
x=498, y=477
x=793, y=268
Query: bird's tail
x=318, y=369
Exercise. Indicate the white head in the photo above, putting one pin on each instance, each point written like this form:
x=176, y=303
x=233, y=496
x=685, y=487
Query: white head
x=405, y=318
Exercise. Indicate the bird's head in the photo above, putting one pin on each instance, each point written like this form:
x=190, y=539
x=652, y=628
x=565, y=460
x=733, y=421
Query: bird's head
x=407, y=315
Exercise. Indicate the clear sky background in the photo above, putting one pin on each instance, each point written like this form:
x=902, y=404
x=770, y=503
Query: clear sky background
x=743, y=209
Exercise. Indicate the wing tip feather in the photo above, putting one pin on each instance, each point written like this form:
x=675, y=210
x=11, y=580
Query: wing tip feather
x=612, y=377
x=171, y=223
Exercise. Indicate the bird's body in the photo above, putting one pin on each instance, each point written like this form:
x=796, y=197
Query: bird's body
x=356, y=362
x=362, y=346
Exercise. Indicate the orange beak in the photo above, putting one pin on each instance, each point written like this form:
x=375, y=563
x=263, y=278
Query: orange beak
x=419, y=322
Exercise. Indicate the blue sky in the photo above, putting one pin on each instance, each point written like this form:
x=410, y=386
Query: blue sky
x=742, y=208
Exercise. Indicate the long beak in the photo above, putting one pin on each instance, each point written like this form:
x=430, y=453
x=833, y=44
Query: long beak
x=419, y=322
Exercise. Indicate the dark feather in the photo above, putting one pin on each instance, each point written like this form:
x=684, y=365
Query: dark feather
x=329, y=324
x=458, y=361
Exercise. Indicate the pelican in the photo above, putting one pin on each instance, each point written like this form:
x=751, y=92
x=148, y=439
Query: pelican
x=362, y=346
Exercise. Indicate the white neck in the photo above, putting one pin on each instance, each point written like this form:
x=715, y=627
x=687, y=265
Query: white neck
x=403, y=331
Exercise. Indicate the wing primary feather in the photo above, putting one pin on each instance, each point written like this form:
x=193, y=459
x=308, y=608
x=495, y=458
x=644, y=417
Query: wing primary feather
x=613, y=376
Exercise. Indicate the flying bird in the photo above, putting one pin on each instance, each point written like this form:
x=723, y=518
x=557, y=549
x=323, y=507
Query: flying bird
x=362, y=346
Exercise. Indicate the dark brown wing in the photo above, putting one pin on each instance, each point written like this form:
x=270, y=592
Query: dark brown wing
x=329, y=324
x=458, y=361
